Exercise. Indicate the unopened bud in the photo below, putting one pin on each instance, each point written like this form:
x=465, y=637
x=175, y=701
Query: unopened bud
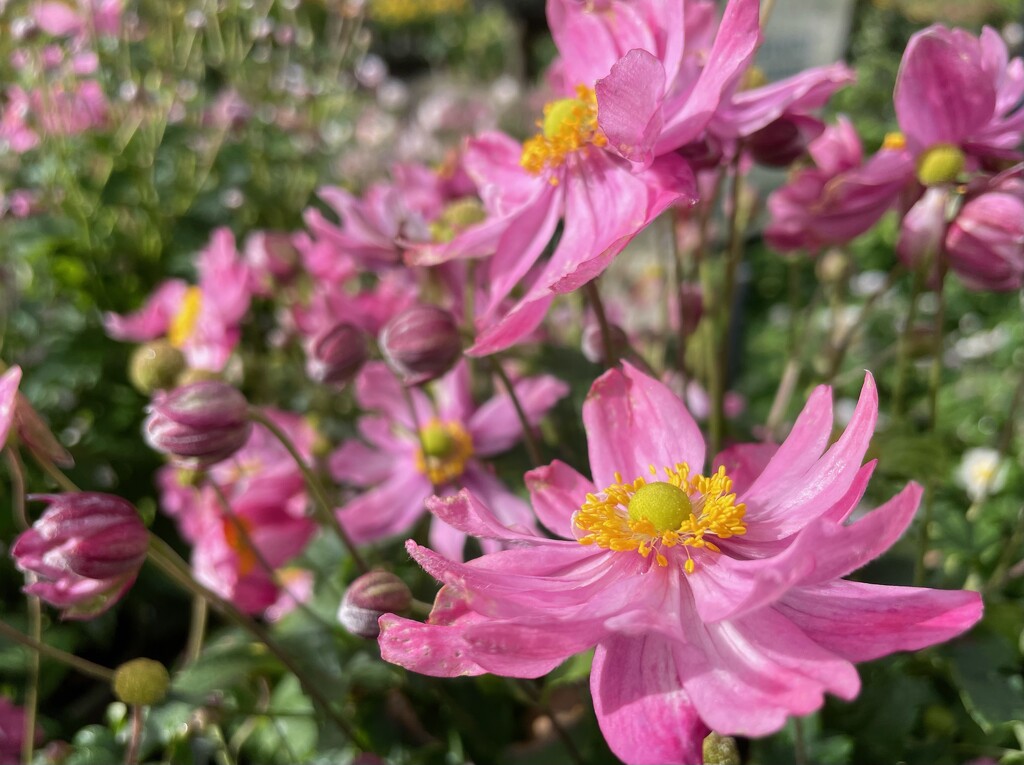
x=720, y=750
x=692, y=309
x=421, y=344
x=592, y=342
x=335, y=356
x=198, y=425
x=141, y=682
x=155, y=366
x=940, y=164
x=783, y=141
x=368, y=598
x=833, y=267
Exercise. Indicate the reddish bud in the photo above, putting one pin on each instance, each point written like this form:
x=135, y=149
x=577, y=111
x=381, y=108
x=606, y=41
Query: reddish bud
x=784, y=141
x=334, y=357
x=86, y=551
x=198, y=425
x=421, y=344
x=368, y=598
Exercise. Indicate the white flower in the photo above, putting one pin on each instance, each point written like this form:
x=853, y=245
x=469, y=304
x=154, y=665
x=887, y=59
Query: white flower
x=982, y=472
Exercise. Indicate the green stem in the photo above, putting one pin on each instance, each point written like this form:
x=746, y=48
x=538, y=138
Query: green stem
x=162, y=556
x=903, y=368
x=716, y=420
x=316, y=489
x=528, y=438
x=934, y=381
x=838, y=351
x=611, y=357
x=76, y=663
x=196, y=630
x=131, y=755
x=35, y=612
x=799, y=742
x=65, y=483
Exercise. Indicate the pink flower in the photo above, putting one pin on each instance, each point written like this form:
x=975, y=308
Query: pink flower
x=957, y=90
x=604, y=161
x=86, y=550
x=203, y=320
x=985, y=244
x=840, y=198
x=714, y=601
x=267, y=497
x=456, y=436
x=12, y=731
x=102, y=17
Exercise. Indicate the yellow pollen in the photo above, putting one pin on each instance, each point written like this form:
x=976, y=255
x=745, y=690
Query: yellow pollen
x=940, y=164
x=651, y=516
x=894, y=141
x=569, y=125
x=184, y=322
x=445, y=448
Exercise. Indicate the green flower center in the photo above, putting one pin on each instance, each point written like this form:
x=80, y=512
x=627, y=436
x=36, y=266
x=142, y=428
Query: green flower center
x=664, y=505
x=940, y=164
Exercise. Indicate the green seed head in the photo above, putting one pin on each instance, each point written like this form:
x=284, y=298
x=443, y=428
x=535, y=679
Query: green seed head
x=940, y=164
x=664, y=505
x=141, y=682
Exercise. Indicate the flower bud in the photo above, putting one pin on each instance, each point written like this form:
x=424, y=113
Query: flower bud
x=368, y=598
x=86, y=551
x=155, y=366
x=592, y=342
x=692, y=308
x=421, y=344
x=986, y=242
x=335, y=356
x=141, y=682
x=720, y=750
x=921, y=231
x=783, y=141
x=198, y=425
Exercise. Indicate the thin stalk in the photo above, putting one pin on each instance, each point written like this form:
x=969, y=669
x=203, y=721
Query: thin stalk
x=799, y=742
x=534, y=693
x=65, y=483
x=162, y=556
x=837, y=353
x=86, y=667
x=247, y=540
x=35, y=612
x=315, y=488
x=903, y=368
x=528, y=438
x=716, y=414
x=934, y=381
x=196, y=630
x=726, y=317
x=611, y=357
x=131, y=755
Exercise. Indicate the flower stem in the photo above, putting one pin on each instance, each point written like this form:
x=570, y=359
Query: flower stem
x=161, y=554
x=35, y=612
x=528, y=437
x=903, y=368
x=196, y=629
x=65, y=483
x=79, y=664
x=316, y=489
x=611, y=358
x=131, y=755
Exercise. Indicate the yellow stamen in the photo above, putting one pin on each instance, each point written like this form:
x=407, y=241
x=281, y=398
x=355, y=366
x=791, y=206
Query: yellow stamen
x=894, y=141
x=445, y=449
x=649, y=517
x=569, y=125
x=184, y=322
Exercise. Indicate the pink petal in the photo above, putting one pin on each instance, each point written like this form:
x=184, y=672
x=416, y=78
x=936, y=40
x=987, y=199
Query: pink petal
x=746, y=676
x=643, y=711
x=510, y=510
x=556, y=492
x=495, y=426
x=790, y=493
x=861, y=621
x=377, y=388
x=454, y=397
x=632, y=422
x=8, y=399
x=629, y=105
x=152, y=320
x=447, y=540
x=390, y=509
x=356, y=463
x=733, y=50
x=519, y=322
x=472, y=517
x=943, y=93
x=745, y=462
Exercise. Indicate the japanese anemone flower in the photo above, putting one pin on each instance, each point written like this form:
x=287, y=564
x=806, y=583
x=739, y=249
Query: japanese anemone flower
x=714, y=601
